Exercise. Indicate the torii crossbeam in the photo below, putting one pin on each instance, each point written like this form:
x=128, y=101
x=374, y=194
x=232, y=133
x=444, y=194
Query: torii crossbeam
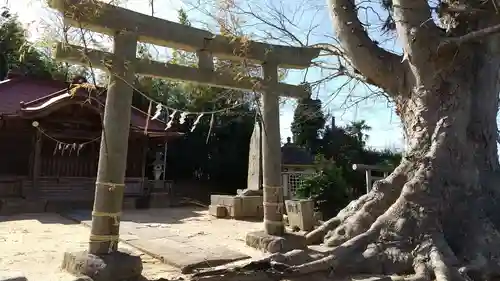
x=127, y=28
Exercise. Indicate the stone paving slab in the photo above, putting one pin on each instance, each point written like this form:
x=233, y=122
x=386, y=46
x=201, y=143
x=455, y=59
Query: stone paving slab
x=170, y=246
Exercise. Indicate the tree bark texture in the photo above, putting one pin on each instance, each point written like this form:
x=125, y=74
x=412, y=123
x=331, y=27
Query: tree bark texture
x=113, y=151
x=436, y=216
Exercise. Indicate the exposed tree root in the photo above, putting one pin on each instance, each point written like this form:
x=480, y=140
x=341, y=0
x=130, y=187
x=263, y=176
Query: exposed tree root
x=361, y=213
x=405, y=238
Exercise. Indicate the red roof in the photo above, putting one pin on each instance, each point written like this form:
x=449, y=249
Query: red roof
x=23, y=89
x=17, y=94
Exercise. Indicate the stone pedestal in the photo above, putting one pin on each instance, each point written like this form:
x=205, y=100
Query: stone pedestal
x=249, y=192
x=301, y=214
x=217, y=211
x=275, y=244
x=116, y=266
x=239, y=207
x=160, y=200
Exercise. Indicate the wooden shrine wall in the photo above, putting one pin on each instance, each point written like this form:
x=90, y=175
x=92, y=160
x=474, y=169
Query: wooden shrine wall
x=65, y=174
x=15, y=152
x=71, y=163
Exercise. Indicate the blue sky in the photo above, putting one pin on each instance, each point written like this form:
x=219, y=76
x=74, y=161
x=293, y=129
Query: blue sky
x=385, y=133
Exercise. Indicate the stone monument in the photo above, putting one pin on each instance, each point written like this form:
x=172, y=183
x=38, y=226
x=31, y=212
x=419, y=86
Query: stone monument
x=255, y=160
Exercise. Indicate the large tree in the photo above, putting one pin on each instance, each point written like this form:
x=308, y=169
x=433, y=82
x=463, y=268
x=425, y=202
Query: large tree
x=308, y=121
x=17, y=53
x=358, y=129
x=436, y=215
x=437, y=209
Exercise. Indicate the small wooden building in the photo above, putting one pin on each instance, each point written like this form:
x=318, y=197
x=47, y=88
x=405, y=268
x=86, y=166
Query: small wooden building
x=50, y=138
x=296, y=162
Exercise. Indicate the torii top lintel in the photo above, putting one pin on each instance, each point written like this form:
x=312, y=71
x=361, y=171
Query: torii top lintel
x=108, y=19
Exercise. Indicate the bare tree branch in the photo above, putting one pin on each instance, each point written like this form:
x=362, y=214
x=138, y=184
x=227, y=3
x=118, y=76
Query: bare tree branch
x=381, y=67
x=472, y=36
x=331, y=49
x=417, y=31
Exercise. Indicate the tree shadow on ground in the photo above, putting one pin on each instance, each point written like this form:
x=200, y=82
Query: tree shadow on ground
x=174, y=215
x=44, y=218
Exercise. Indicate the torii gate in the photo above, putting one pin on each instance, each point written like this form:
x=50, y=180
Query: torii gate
x=127, y=28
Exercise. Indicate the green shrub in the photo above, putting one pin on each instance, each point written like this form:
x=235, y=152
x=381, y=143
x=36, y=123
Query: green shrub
x=328, y=188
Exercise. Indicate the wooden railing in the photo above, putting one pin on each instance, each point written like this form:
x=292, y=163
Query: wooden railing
x=369, y=169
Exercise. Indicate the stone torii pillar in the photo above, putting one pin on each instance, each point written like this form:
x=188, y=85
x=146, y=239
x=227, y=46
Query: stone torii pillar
x=274, y=238
x=114, y=146
x=271, y=155
x=102, y=258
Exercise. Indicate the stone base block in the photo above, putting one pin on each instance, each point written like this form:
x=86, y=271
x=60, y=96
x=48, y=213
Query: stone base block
x=240, y=207
x=217, y=211
x=249, y=192
x=160, y=200
x=117, y=266
x=301, y=214
x=275, y=244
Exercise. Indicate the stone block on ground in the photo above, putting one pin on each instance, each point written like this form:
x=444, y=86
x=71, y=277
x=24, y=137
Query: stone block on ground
x=184, y=256
x=301, y=214
x=217, y=211
x=240, y=207
x=231, y=203
x=12, y=276
x=249, y=192
x=252, y=207
x=160, y=200
x=172, y=247
x=116, y=266
x=275, y=244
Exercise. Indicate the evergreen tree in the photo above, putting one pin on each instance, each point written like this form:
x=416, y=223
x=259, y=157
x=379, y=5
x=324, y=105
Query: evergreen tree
x=358, y=129
x=16, y=52
x=308, y=121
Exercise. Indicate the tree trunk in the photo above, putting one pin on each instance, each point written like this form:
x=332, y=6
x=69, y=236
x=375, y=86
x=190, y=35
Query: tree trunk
x=436, y=211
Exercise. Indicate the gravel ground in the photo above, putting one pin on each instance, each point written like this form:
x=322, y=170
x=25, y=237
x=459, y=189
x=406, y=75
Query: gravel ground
x=34, y=244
